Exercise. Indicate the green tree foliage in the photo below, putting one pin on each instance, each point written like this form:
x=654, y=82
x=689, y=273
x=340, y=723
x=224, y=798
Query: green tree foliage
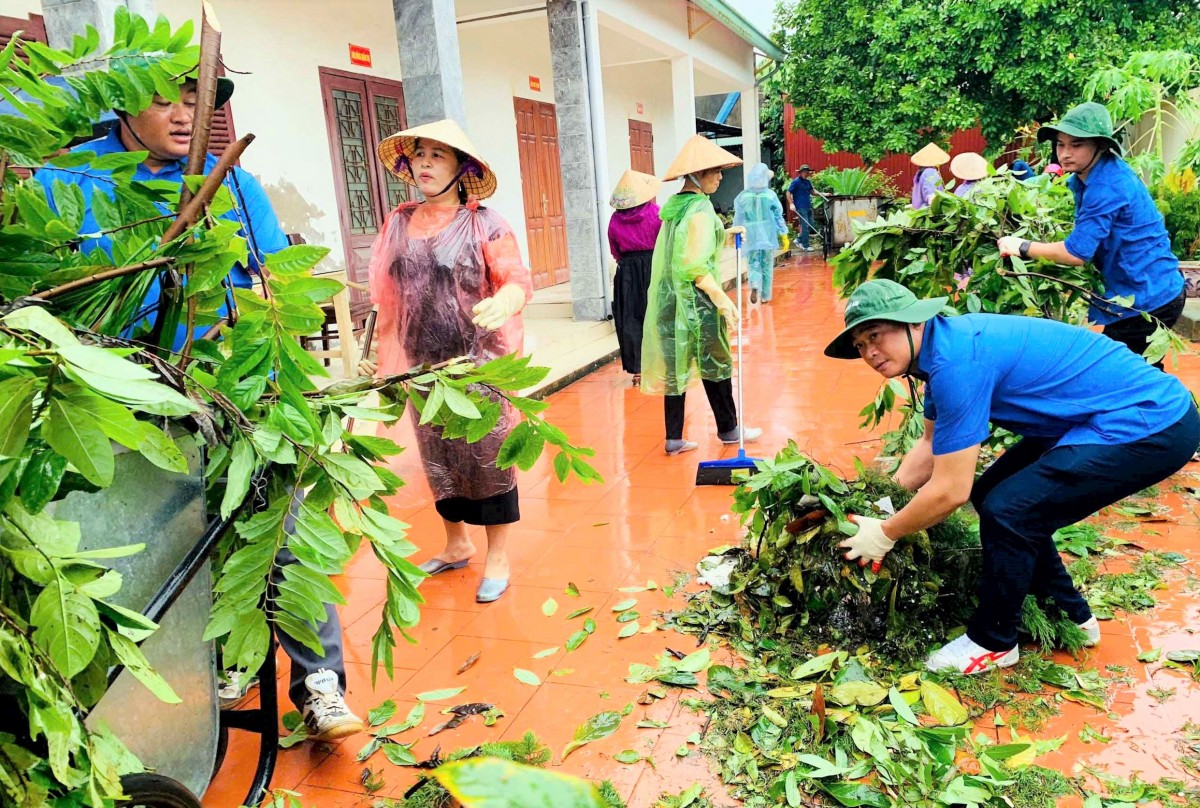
x=880, y=76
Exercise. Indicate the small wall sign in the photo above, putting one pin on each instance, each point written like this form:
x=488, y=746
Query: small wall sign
x=535, y=84
x=640, y=109
x=360, y=56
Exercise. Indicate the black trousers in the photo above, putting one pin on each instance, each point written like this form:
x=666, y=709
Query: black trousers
x=720, y=398
x=1135, y=331
x=1034, y=489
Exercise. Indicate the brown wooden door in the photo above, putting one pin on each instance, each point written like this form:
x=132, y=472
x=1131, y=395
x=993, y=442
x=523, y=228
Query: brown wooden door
x=641, y=146
x=542, y=193
x=360, y=111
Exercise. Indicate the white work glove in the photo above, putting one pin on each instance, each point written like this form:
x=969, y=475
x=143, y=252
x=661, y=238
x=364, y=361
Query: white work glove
x=1009, y=245
x=869, y=544
x=493, y=312
x=367, y=367
x=737, y=229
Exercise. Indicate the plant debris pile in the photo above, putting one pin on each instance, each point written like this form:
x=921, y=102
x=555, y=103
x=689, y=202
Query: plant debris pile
x=792, y=580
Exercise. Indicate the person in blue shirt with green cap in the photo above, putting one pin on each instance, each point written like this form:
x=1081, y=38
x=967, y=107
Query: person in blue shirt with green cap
x=1097, y=425
x=1117, y=227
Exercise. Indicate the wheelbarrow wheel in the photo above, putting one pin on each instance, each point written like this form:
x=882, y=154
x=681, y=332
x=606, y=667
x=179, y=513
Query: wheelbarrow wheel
x=155, y=791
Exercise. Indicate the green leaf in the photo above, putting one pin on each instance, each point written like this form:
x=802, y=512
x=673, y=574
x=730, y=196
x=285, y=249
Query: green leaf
x=942, y=705
x=115, y=420
x=381, y=714
x=695, y=662
x=296, y=259
x=1150, y=656
x=546, y=652
x=159, y=449
x=135, y=662
x=72, y=433
x=595, y=728
x=550, y=607
x=896, y=698
x=572, y=591
x=241, y=467
x=576, y=640
x=66, y=626
x=16, y=413
x=440, y=695
x=629, y=630
x=526, y=677
x=399, y=754
x=490, y=782
x=627, y=757
x=625, y=605
x=578, y=613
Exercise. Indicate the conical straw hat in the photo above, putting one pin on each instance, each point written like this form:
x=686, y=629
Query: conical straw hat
x=968, y=166
x=633, y=189
x=700, y=154
x=929, y=156
x=397, y=151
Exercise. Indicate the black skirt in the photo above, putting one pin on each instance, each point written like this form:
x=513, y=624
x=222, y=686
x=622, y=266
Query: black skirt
x=501, y=509
x=631, y=288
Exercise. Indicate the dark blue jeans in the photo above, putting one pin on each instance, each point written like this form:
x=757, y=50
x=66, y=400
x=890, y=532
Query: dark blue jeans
x=804, y=215
x=1034, y=489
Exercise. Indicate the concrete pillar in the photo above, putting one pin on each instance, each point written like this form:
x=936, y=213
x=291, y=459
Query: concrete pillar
x=578, y=137
x=683, y=90
x=427, y=33
x=67, y=18
x=751, y=134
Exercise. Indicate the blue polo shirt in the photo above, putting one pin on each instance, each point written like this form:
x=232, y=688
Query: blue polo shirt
x=1118, y=228
x=1040, y=379
x=801, y=191
x=253, y=210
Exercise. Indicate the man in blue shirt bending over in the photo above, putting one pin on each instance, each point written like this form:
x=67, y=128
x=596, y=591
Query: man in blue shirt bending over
x=799, y=195
x=1117, y=226
x=1097, y=424
x=164, y=131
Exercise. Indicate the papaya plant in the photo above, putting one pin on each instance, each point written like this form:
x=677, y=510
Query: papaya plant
x=77, y=382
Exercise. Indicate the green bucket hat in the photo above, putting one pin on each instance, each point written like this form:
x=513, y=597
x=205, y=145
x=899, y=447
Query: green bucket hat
x=1090, y=120
x=880, y=300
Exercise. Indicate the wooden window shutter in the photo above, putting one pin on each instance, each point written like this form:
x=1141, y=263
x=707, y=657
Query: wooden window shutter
x=34, y=28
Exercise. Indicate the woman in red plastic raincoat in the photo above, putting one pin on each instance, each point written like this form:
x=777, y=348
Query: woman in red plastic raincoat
x=448, y=280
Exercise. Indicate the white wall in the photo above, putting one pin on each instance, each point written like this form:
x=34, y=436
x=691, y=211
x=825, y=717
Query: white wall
x=497, y=60
x=624, y=88
x=20, y=8
x=281, y=43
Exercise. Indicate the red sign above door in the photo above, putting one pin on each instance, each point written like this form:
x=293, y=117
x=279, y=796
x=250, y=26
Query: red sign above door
x=360, y=56
x=535, y=84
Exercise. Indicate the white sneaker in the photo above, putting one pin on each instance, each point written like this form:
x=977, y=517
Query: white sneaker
x=966, y=656
x=233, y=686
x=1092, y=629
x=325, y=712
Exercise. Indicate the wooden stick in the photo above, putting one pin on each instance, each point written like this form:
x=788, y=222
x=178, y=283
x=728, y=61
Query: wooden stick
x=57, y=291
x=212, y=183
x=206, y=96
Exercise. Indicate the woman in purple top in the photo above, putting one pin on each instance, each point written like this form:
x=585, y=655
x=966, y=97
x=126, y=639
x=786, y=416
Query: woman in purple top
x=928, y=180
x=632, y=231
x=968, y=168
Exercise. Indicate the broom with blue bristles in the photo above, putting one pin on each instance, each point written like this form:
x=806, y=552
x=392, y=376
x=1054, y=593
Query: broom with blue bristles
x=733, y=470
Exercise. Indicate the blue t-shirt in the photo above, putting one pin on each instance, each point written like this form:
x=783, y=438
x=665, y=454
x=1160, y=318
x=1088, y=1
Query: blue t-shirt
x=1040, y=379
x=1119, y=229
x=253, y=210
x=801, y=190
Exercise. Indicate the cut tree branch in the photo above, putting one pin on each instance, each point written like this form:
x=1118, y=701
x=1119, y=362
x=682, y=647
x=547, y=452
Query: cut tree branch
x=206, y=95
x=153, y=263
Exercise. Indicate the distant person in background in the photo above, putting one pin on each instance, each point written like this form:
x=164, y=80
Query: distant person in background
x=758, y=210
x=1021, y=171
x=968, y=168
x=799, y=195
x=632, y=231
x=928, y=180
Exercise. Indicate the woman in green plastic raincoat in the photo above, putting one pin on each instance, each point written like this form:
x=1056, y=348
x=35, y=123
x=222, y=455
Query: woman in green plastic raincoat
x=688, y=314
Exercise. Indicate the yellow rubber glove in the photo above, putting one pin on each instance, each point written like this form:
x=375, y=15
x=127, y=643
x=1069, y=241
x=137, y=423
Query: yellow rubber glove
x=493, y=312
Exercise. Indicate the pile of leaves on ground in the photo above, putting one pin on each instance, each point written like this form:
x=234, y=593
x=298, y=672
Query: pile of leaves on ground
x=792, y=583
x=828, y=705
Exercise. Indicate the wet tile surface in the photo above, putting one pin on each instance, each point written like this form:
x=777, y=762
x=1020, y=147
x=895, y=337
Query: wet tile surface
x=648, y=521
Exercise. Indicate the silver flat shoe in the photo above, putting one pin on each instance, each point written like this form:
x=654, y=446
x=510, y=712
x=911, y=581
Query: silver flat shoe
x=490, y=589
x=435, y=565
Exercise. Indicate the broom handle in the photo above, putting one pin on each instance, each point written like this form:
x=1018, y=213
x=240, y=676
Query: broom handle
x=737, y=254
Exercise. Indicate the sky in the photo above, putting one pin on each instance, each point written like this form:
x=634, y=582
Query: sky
x=759, y=12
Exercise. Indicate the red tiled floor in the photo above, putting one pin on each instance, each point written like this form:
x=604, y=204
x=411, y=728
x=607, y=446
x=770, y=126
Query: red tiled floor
x=646, y=522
